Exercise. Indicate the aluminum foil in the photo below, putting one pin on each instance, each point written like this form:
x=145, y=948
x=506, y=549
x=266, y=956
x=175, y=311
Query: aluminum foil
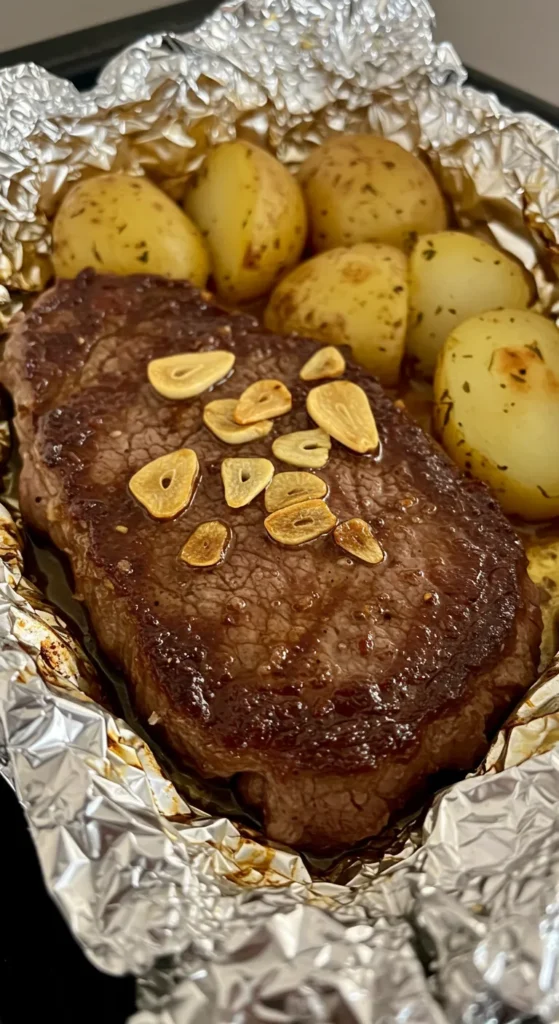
x=457, y=920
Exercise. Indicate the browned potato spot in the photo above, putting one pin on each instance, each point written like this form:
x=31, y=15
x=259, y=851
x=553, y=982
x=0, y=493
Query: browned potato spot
x=497, y=407
x=356, y=297
x=251, y=212
x=452, y=277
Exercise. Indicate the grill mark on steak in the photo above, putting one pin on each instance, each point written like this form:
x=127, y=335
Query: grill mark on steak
x=333, y=687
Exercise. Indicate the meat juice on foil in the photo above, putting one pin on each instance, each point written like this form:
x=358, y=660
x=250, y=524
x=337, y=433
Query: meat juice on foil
x=451, y=919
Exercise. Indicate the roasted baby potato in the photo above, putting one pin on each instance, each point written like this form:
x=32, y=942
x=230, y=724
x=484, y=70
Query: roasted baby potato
x=250, y=209
x=125, y=225
x=452, y=277
x=497, y=407
x=361, y=188
x=355, y=296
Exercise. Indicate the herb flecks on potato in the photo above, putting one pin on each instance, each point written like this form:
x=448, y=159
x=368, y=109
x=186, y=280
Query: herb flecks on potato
x=363, y=188
x=497, y=407
x=452, y=277
x=356, y=297
x=121, y=224
x=251, y=212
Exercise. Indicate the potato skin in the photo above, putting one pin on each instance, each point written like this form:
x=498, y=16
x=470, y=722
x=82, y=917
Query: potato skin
x=355, y=296
x=452, y=277
x=497, y=407
x=121, y=224
x=251, y=212
x=362, y=188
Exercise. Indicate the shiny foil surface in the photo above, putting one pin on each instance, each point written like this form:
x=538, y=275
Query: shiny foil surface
x=458, y=920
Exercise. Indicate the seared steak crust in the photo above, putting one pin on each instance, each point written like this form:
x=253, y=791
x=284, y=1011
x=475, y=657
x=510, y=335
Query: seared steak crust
x=334, y=688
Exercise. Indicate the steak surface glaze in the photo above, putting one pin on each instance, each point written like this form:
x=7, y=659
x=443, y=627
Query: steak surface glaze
x=332, y=689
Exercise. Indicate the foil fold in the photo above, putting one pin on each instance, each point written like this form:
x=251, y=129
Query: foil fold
x=459, y=920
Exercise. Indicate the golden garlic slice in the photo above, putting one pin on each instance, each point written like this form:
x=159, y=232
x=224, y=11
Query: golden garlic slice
x=165, y=486
x=356, y=537
x=243, y=479
x=326, y=362
x=262, y=400
x=342, y=409
x=292, y=488
x=189, y=373
x=206, y=545
x=306, y=448
x=218, y=417
x=297, y=524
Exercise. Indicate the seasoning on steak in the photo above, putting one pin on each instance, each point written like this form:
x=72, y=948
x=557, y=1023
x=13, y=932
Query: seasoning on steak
x=330, y=687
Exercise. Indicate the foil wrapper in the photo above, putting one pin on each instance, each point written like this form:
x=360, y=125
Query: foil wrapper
x=457, y=920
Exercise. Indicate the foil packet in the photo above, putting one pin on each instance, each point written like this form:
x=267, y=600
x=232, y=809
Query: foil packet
x=456, y=920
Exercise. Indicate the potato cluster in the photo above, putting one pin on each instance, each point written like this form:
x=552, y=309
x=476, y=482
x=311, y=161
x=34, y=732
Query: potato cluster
x=353, y=250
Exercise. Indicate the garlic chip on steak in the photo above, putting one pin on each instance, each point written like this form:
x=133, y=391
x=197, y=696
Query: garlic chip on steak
x=262, y=400
x=165, y=486
x=189, y=373
x=218, y=417
x=244, y=479
x=342, y=409
x=206, y=545
x=292, y=488
x=326, y=362
x=356, y=537
x=308, y=449
x=297, y=524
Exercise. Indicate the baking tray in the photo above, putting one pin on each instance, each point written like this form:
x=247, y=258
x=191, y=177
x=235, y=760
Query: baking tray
x=79, y=56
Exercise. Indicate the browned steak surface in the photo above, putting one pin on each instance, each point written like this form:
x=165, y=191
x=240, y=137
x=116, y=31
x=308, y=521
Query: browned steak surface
x=330, y=687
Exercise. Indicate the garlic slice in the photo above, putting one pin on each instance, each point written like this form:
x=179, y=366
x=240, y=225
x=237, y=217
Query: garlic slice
x=244, y=479
x=356, y=537
x=326, y=362
x=297, y=524
x=342, y=409
x=189, y=373
x=308, y=449
x=292, y=488
x=218, y=417
x=206, y=545
x=165, y=486
x=262, y=400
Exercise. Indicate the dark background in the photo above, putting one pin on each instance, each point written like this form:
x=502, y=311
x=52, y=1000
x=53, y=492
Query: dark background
x=43, y=974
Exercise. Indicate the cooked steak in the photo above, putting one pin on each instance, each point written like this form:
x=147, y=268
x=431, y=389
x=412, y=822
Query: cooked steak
x=331, y=688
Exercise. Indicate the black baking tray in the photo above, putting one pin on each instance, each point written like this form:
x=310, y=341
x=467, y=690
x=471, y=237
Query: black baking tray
x=43, y=974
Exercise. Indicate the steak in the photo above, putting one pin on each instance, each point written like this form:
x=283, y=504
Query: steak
x=331, y=689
